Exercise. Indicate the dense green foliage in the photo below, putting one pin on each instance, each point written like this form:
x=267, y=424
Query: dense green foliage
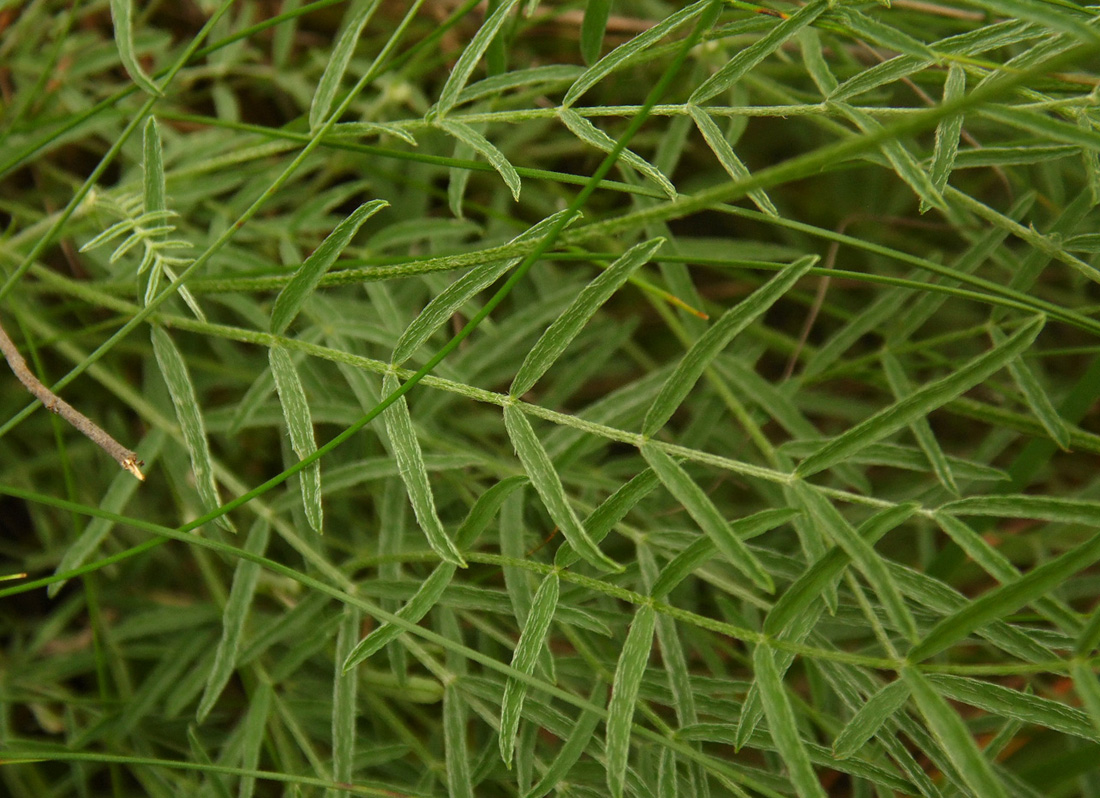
x=633, y=398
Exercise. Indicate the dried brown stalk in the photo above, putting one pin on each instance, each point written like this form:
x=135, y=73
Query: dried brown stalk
x=123, y=456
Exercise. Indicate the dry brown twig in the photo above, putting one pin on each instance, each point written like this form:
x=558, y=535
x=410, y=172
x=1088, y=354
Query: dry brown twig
x=123, y=456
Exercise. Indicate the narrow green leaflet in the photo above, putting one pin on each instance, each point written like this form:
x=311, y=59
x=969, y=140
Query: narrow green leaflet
x=470, y=57
x=921, y=429
x=631, y=49
x=1036, y=397
x=447, y=302
x=1089, y=638
x=715, y=339
x=1009, y=703
x=863, y=725
x=189, y=415
x=431, y=589
x=523, y=660
x=497, y=85
x=459, y=784
x=114, y=500
x=794, y=615
x=410, y=464
x=863, y=554
x=576, y=743
x=1065, y=511
x=309, y=274
x=909, y=458
x=904, y=164
x=459, y=179
x=1006, y=599
x=122, y=17
x=922, y=402
x=814, y=59
x=344, y=699
x=154, y=192
x=252, y=732
x=624, y=695
x=299, y=423
x=548, y=485
x=723, y=151
x=593, y=26
x=953, y=737
x=997, y=565
x=568, y=325
x=869, y=319
x=593, y=136
x=756, y=52
x=426, y=597
x=355, y=19
x=601, y=521
x=707, y=516
x=783, y=726
x=1051, y=15
x=245, y=576
x=1087, y=684
x=871, y=30
x=486, y=149
x=946, y=147
x=681, y=566
x=806, y=590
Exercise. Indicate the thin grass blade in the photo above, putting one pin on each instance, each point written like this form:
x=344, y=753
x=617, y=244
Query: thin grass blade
x=1086, y=682
x=1015, y=704
x=603, y=519
x=863, y=554
x=576, y=743
x=345, y=712
x=431, y=589
x=154, y=193
x=921, y=429
x=457, y=757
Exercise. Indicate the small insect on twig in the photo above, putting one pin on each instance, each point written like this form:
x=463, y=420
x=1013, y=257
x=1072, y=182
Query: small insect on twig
x=125, y=458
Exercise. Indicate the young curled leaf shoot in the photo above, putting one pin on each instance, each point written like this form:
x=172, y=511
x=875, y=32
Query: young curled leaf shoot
x=96, y=434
